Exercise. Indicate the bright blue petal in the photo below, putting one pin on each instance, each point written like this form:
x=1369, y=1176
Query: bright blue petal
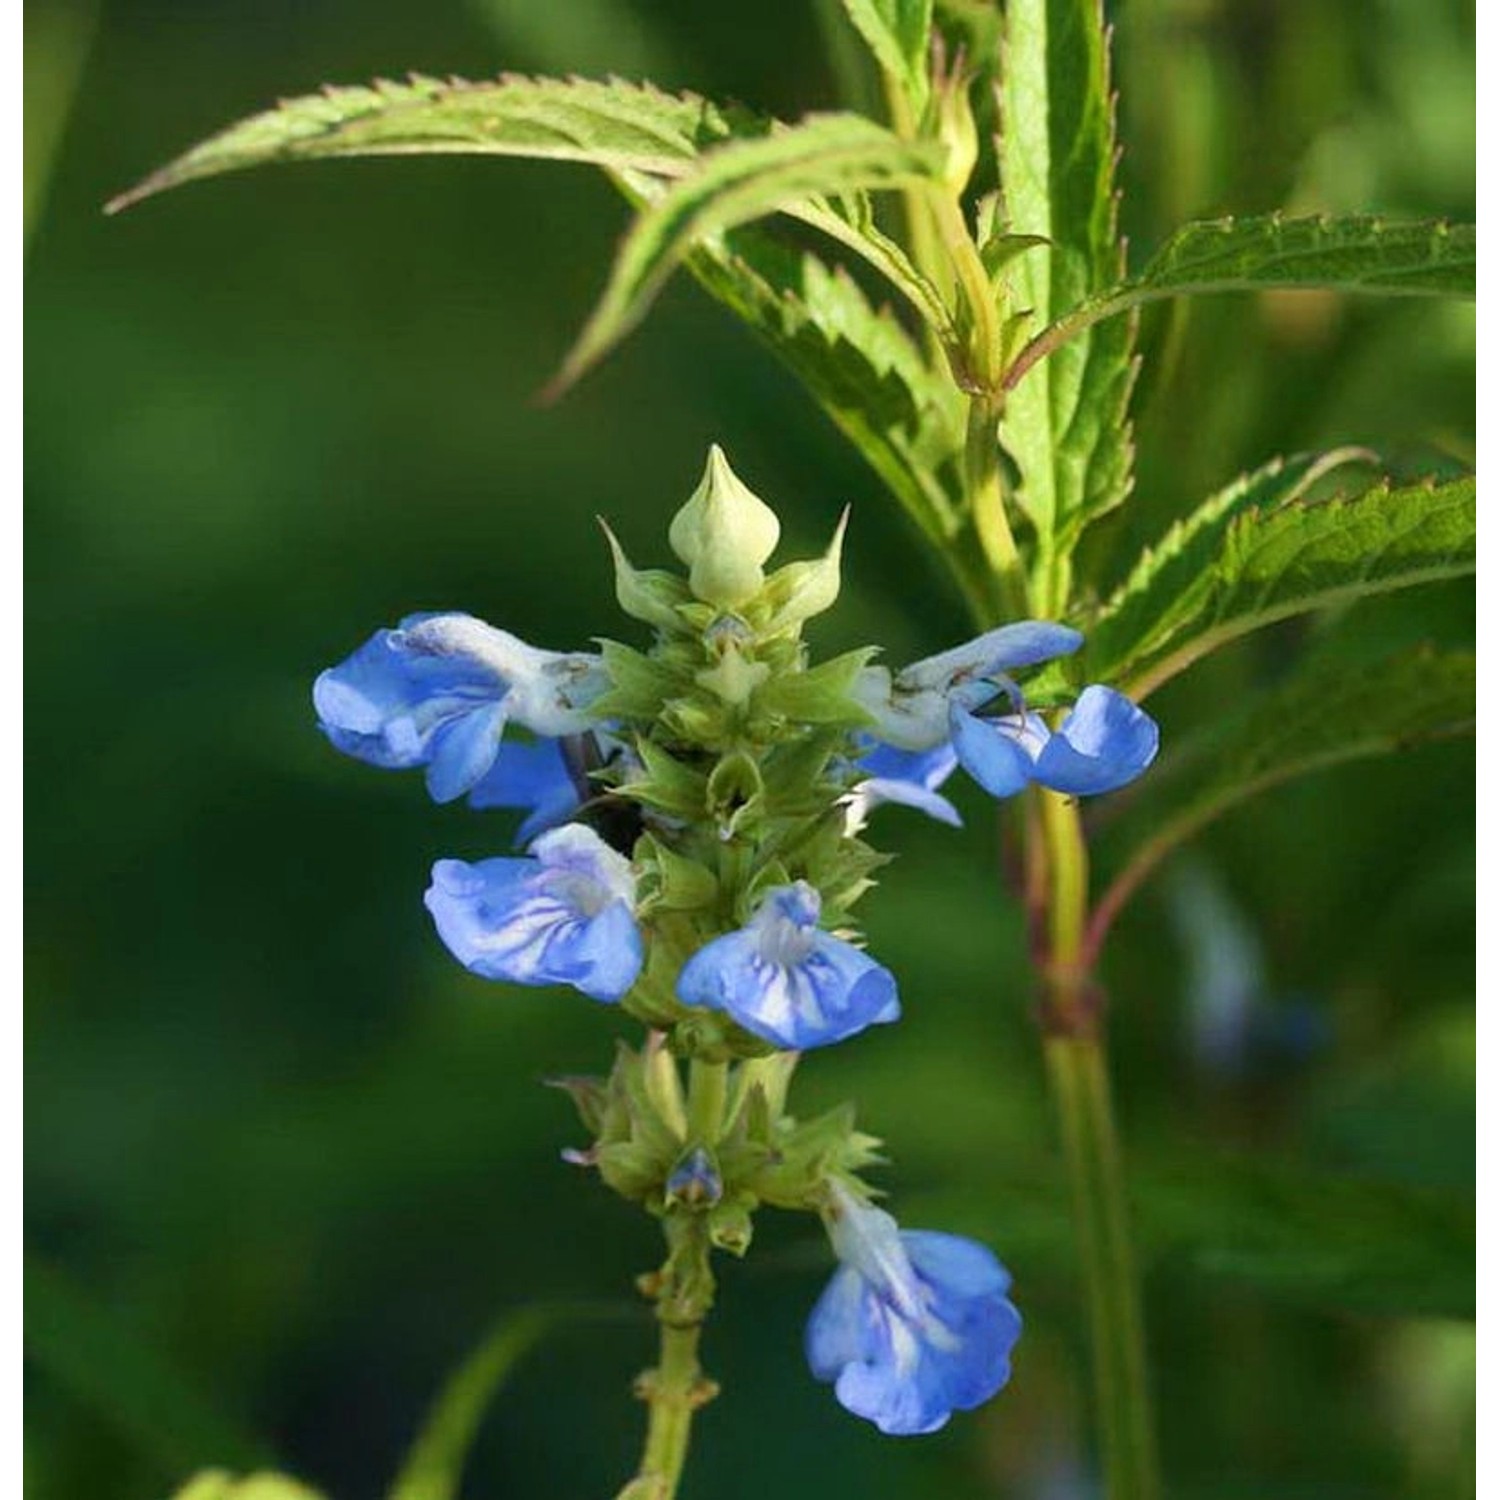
x=463, y=750
x=563, y=918
x=876, y=791
x=530, y=776
x=914, y=1326
x=1105, y=742
x=997, y=760
x=390, y=706
x=786, y=981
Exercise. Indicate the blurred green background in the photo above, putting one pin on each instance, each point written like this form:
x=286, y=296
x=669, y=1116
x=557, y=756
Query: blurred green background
x=284, y=1152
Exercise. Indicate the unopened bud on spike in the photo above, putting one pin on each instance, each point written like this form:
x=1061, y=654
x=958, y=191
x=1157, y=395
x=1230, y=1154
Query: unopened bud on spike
x=724, y=534
x=650, y=596
x=695, y=1180
x=801, y=590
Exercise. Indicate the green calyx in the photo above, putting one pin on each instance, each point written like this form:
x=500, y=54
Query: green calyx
x=649, y=1148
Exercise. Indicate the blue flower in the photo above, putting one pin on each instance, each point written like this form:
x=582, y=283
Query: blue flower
x=562, y=916
x=910, y=708
x=910, y=778
x=914, y=1326
x=438, y=692
x=1103, y=743
x=786, y=981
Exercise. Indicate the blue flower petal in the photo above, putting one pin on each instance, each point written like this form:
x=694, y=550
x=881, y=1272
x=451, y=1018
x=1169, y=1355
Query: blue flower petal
x=385, y=703
x=786, y=981
x=562, y=917
x=463, y=750
x=530, y=776
x=994, y=751
x=914, y=1326
x=1105, y=742
x=875, y=791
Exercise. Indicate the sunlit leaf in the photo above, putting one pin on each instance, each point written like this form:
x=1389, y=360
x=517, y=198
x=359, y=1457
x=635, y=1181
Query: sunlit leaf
x=616, y=125
x=1206, y=584
x=858, y=362
x=1354, y=254
x=899, y=33
x=822, y=155
x=1066, y=427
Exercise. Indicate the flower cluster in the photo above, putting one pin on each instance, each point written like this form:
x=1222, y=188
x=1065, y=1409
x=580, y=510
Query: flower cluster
x=692, y=853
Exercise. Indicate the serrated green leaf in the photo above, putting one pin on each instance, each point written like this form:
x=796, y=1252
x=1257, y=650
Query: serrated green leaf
x=615, y=125
x=1353, y=254
x=1317, y=719
x=1271, y=562
x=733, y=184
x=126, y=1379
x=899, y=33
x=859, y=363
x=1066, y=427
x=434, y=1464
x=1171, y=580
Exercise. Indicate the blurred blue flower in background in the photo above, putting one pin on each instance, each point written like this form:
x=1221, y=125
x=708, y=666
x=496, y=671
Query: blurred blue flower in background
x=915, y=1324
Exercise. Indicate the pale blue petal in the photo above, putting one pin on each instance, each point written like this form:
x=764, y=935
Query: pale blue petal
x=876, y=791
x=995, y=759
x=915, y=1336
x=1105, y=742
x=833, y=992
x=606, y=954
x=522, y=921
x=463, y=750
x=839, y=1329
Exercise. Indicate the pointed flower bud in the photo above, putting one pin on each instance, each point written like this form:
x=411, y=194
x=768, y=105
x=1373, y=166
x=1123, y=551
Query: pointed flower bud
x=652, y=596
x=801, y=590
x=724, y=534
x=695, y=1180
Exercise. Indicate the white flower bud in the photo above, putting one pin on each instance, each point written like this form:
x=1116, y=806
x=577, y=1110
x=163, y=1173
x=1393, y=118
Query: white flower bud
x=724, y=534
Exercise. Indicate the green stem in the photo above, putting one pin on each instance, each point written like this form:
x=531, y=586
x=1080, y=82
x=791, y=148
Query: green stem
x=677, y=1387
x=1079, y=1080
x=987, y=506
x=708, y=1088
x=921, y=233
x=676, y=1392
